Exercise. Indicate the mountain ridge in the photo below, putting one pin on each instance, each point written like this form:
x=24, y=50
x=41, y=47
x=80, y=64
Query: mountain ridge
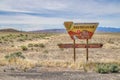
x=99, y=29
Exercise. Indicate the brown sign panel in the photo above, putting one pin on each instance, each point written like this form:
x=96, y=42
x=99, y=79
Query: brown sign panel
x=80, y=45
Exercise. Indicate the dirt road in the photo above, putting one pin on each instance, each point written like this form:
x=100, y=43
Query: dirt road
x=59, y=75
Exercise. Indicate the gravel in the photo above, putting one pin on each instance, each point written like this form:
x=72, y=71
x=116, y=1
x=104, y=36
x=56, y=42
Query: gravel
x=59, y=75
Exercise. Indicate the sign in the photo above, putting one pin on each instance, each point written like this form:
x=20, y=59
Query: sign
x=80, y=45
x=80, y=30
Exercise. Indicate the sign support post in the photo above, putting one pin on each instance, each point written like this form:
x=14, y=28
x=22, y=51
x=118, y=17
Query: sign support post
x=86, y=50
x=74, y=50
x=86, y=62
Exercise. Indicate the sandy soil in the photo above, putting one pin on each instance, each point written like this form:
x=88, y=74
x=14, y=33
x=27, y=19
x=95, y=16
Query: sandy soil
x=110, y=52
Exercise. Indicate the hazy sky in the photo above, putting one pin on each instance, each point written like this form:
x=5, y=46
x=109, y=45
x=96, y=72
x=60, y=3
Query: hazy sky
x=42, y=14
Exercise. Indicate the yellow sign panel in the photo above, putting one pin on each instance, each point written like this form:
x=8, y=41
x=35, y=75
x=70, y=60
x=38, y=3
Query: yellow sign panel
x=80, y=30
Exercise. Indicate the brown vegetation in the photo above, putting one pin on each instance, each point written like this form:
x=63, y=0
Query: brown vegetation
x=41, y=50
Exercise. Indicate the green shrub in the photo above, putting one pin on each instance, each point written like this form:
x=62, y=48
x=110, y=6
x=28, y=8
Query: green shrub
x=5, y=39
x=21, y=39
x=41, y=45
x=30, y=45
x=12, y=45
x=30, y=39
x=24, y=48
x=1, y=42
x=45, y=51
x=107, y=68
x=21, y=35
x=14, y=56
x=102, y=68
x=114, y=68
x=26, y=35
x=36, y=45
x=2, y=37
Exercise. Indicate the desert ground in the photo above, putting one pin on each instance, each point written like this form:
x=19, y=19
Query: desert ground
x=41, y=59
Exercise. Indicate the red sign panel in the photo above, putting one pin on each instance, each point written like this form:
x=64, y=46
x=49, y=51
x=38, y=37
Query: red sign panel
x=80, y=45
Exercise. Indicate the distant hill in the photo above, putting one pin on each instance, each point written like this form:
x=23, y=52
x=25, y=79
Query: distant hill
x=51, y=31
x=9, y=30
x=99, y=29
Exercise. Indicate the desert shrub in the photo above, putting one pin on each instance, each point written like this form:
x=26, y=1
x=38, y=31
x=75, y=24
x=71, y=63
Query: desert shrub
x=2, y=37
x=114, y=68
x=5, y=39
x=14, y=56
x=110, y=41
x=32, y=48
x=26, y=35
x=9, y=35
x=17, y=61
x=41, y=45
x=30, y=45
x=20, y=39
x=42, y=36
x=36, y=45
x=30, y=39
x=24, y=48
x=102, y=68
x=107, y=68
x=21, y=35
x=1, y=42
x=18, y=35
x=12, y=45
x=35, y=36
x=45, y=51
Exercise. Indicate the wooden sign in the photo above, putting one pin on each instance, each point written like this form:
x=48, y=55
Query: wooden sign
x=80, y=30
x=80, y=45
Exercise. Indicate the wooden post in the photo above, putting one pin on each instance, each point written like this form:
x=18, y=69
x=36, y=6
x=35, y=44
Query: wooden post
x=74, y=51
x=86, y=62
x=87, y=50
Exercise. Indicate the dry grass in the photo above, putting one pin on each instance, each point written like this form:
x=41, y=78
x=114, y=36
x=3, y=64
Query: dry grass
x=52, y=56
x=27, y=64
x=19, y=64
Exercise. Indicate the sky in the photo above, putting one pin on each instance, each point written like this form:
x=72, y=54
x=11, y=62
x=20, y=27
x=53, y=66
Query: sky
x=49, y=14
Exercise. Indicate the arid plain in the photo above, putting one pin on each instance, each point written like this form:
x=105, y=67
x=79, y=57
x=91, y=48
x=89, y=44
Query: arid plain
x=23, y=52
